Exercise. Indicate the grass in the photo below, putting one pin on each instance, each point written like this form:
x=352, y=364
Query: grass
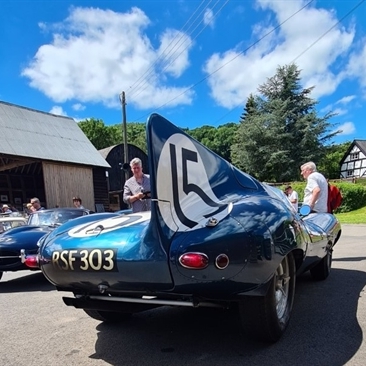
x=353, y=217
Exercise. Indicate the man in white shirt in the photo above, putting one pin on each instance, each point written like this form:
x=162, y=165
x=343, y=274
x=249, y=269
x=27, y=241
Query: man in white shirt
x=316, y=190
x=293, y=197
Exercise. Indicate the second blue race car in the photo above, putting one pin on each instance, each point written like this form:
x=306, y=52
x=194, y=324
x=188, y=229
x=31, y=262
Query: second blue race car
x=26, y=237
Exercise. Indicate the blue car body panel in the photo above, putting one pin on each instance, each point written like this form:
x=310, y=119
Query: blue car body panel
x=200, y=204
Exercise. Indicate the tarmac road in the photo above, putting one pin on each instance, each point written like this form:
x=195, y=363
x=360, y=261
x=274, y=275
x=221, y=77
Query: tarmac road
x=327, y=326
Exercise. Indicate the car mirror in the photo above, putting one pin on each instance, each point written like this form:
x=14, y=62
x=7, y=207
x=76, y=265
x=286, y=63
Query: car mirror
x=305, y=210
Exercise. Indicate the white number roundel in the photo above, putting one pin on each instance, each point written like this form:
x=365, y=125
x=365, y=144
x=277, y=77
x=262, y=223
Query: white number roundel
x=185, y=196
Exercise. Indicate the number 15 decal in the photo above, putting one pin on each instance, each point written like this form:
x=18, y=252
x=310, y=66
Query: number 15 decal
x=182, y=180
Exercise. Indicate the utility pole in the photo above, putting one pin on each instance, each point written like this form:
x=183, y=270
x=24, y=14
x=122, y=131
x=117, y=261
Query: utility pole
x=126, y=165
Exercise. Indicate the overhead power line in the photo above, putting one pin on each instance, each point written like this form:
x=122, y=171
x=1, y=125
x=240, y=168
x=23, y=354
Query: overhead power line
x=303, y=52
x=252, y=45
x=173, y=59
x=324, y=34
x=168, y=49
x=232, y=59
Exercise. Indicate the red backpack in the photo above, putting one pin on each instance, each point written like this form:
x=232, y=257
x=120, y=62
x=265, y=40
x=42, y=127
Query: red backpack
x=334, y=198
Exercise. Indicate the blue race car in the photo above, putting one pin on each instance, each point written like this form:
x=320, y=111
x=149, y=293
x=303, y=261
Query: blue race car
x=215, y=237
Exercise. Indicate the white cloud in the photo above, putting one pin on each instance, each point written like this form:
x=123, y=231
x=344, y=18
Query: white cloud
x=208, y=18
x=78, y=107
x=236, y=74
x=357, y=64
x=58, y=111
x=327, y=109
x=173, y=52
x=340, y=111
x=345, y=100
x=95, y=54
x=347, y=128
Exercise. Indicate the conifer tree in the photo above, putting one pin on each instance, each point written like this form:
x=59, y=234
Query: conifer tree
x=282, y=130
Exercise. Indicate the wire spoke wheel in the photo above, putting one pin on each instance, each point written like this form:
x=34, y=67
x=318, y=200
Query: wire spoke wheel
x=267, y=317
x=282, y=287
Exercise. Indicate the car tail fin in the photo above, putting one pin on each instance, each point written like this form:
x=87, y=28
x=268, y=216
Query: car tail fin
x=189, y=182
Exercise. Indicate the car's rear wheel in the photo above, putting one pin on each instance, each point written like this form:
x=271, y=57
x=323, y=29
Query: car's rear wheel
x=108, y=316
x=266, y=317
x=322, y=270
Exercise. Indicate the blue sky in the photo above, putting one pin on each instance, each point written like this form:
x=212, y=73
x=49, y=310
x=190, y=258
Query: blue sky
x=194, y=62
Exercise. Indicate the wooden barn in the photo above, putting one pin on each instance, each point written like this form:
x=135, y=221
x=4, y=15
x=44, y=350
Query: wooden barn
x=114, y=155
x=48, y=156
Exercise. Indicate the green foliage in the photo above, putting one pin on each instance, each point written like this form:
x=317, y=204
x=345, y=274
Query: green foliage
x=250, y=108
x=102, y=136
x=329, y=165
x=97, y=132
x=354, y=196
x=280, y=129
x=136, y=135
x=218, y=139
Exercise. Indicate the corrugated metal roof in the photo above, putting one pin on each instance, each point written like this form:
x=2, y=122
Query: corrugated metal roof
x=104, y=152
x=30, y=133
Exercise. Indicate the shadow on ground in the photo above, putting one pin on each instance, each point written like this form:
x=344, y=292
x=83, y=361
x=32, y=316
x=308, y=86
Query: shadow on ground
x=323, y=331
x=33, y=282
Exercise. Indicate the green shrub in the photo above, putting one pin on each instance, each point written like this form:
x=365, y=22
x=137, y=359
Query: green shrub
x=354, y=196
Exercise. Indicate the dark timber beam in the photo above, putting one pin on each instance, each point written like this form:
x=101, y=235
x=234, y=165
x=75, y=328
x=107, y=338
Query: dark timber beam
x=15, y=164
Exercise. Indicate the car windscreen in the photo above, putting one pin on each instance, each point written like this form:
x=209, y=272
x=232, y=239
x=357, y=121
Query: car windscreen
x=50, y=218
x=7, y=225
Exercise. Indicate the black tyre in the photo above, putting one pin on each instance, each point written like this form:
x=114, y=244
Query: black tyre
x=108, y=316
x=322, y=270
x=266, y=317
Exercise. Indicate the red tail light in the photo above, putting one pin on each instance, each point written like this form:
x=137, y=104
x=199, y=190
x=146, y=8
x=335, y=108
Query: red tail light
x=31, y=261
x=194, y=260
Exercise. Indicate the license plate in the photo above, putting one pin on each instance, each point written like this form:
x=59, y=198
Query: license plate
x=82, y=260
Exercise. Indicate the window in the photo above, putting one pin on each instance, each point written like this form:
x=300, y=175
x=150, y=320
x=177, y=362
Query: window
x=354, y=156
x=349, y=173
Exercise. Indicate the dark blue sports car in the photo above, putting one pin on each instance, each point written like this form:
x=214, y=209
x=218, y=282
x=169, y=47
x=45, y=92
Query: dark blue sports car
x=215, y=237
x=26, y=237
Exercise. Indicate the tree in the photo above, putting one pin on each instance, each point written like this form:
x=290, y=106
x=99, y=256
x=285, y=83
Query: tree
x=282, y=130
x=251, y=107
x=224, y=139
x=329, y=165
x=97, y=132
x=102, y=136
x=136, y=134
x=219, y=139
